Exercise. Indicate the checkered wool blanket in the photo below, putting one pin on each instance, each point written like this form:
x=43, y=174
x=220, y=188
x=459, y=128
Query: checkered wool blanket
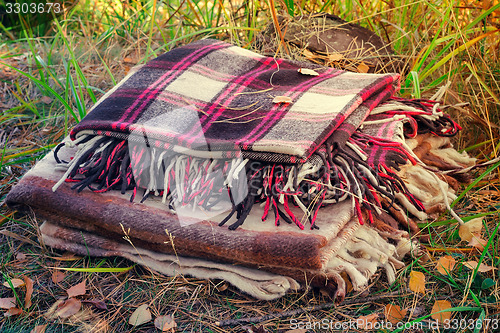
x=213, y=125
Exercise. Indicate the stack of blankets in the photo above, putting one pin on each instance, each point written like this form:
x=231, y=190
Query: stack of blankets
x=216, y=162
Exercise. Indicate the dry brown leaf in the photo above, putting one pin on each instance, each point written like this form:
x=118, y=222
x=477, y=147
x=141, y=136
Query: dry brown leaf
x=417, y=282
x=29, y=291
x=282, y=99
x=46, y=100
x=307, y=71
x=367, y=322
x=482, y=268
x=69, y=308
x=77, y=290
x=51, y=312
x=39, y=329
x=445, y=264
x=15, y=283
x=363, y=68
x=7, y=303
x=335, y=57
x=471, y=228
x=13, y=312
x=140, y=316
x=58, y=276
x=478, y=242
x=394, y=313
x=165, y=323
x=101, y=305
x=20, y=256
x=439, y=306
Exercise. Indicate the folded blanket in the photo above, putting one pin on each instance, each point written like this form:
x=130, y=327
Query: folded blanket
x=208, y=131
x=106, y=224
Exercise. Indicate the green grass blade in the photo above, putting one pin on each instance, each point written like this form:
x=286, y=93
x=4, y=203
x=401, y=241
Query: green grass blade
x=477, y=180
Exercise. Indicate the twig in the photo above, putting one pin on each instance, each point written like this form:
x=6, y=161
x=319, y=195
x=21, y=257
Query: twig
x=255, y=320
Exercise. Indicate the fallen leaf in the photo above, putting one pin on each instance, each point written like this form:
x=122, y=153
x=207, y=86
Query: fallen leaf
x=15, y=283
x=101, y=305
x=367, y=322
x=165, y=323
x=394, y=313
x=29, y=291
x=39, y=329
x=20, y=256
x=482, y=268
x=7, y=303
x=282, y=99
x=69, y=308
x=259, y=329
x=309, y=55
x=58, y=276
x=471, y=228
x=307, y=71
x=417, y=282
x=140, y=316
x=46, y=100
x=348, y=284
x=478, y=243
x=51, y=312
x=13, y=312
x=363, y=68
x=222, y=286
x=77, y=290
x=445, y=264
x=439, y=306
x=335, y=57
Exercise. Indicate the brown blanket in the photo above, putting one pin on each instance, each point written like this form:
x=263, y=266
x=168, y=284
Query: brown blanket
x=96, y=223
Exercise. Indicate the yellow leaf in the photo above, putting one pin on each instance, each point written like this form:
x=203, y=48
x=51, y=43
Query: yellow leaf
x=309, y=55
x=473, y=227
x=140, y=316
x=15, y=283
x=363, y=68
x=367, y=322
x=482, y=268
x=394, y=313
x=439, y=306
x=335, y=57
x=165, y=323
x=417, y=282
x=307, y=71
x=282, y=99
x=348, y=284
x=445, y=264
x=69, y=308
x=77, y=290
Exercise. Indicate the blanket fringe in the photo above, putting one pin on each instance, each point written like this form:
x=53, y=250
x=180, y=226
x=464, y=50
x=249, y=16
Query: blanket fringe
x=103, y=163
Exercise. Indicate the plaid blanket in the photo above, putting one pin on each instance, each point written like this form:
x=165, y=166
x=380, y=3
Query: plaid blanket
x=216, y=127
